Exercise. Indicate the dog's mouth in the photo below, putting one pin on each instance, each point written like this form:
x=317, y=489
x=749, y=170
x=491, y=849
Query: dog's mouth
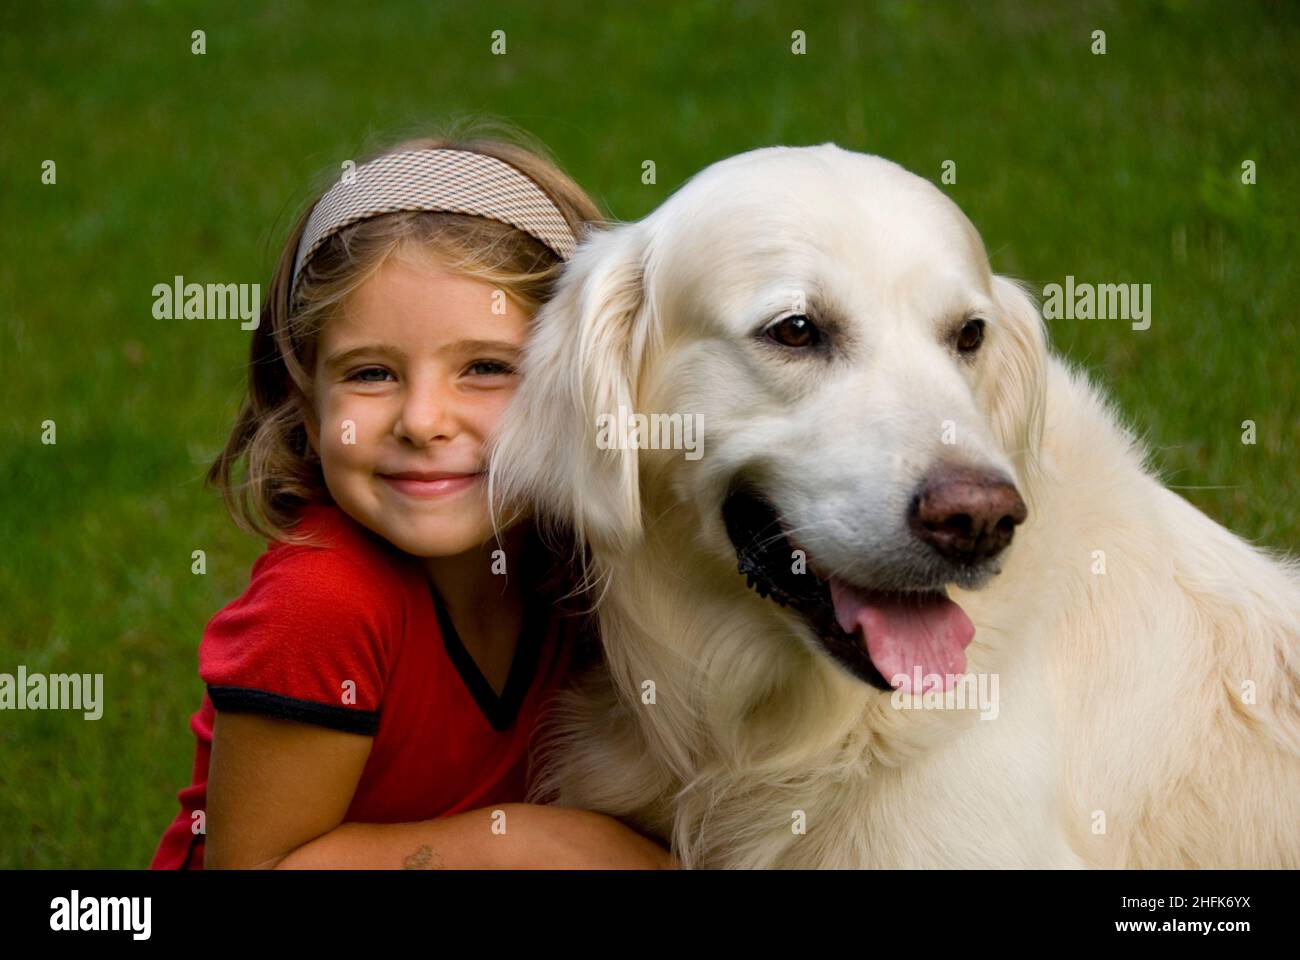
x=913, y=640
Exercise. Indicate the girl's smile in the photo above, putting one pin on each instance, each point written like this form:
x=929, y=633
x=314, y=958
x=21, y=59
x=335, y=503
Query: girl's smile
x=430, y=483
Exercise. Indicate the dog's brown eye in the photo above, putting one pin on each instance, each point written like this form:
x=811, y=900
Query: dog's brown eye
x=970, y=336
x=796, y=331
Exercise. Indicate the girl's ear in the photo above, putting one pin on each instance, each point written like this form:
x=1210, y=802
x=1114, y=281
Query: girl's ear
x=581, y=363
x=1016, y=379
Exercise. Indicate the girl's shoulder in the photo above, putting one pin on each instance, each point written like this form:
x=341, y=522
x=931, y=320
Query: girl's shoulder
x=317, y=622
x=344, y=570
x=337, y=541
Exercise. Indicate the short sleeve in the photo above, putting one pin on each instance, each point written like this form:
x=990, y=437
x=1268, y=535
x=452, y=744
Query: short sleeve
x=307, y=641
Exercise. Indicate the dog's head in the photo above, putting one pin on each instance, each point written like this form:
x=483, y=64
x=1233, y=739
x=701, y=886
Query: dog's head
x=869, y=396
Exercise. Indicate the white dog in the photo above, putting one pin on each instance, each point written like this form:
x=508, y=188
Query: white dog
x=898, y=485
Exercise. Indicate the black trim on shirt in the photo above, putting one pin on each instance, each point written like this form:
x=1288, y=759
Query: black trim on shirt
x=500, y=711
x=245, y=700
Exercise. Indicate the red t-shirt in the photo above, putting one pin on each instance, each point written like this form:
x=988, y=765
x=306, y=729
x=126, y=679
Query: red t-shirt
x=352, y=636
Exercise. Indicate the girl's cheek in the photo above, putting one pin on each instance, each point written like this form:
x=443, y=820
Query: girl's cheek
x=346, y=429
x=491, y=410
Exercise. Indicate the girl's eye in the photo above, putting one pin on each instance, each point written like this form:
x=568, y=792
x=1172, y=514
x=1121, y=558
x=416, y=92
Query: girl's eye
x=364, y=375
x=489, y=368
x=796, y=331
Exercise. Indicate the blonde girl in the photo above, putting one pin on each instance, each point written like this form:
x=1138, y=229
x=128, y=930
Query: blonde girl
x=372, y=694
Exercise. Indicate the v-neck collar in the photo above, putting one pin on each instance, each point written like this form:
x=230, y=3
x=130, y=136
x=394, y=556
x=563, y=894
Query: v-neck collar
x=499, y=711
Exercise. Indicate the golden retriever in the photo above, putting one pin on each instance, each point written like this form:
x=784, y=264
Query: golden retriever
x=916, y=600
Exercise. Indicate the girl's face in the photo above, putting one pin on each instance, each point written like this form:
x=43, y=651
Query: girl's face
x=409, y=382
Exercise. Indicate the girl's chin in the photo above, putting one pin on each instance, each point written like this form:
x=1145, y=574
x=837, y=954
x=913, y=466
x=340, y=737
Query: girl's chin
x=440, y=542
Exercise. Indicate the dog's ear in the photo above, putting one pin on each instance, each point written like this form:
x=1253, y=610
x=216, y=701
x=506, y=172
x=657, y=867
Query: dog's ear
x=1016, y=376
x=581, y=363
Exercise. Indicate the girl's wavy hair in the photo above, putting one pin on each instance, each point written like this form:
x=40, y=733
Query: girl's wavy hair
x=281, y=473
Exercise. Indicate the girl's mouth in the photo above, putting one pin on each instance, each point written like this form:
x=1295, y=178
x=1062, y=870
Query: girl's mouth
x=430, y=483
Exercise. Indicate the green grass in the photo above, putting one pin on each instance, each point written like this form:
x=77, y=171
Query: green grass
x=1123, y=167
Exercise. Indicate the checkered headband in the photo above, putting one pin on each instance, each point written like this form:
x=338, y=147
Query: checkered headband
x=452, y=181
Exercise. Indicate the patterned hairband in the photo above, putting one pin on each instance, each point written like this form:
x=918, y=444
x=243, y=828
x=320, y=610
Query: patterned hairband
x=453, y=181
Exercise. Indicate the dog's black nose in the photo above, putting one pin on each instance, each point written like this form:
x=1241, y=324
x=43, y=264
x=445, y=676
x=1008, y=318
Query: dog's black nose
x=965, y=513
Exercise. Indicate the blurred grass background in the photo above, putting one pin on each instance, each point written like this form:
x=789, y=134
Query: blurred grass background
x=1116, y=168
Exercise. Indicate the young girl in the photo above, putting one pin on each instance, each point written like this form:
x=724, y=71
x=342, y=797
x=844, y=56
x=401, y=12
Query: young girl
x=371, y=695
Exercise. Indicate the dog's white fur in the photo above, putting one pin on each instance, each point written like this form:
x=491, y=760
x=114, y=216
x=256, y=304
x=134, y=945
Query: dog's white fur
x=1149, y=714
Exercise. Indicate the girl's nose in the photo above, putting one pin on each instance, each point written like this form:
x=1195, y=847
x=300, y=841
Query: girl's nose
x=427, y=415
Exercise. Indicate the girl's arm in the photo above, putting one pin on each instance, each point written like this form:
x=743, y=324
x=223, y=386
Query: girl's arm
x=278, y=792
x=536, y=837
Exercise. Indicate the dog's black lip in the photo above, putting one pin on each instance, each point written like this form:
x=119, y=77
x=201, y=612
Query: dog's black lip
x=763, y=555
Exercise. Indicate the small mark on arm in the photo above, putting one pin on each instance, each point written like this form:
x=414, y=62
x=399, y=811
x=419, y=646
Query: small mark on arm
x=423, y=859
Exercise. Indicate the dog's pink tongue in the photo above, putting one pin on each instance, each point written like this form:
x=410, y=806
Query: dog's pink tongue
x=905, y=632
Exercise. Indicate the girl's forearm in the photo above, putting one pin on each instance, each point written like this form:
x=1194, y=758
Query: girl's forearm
x=463, y=841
